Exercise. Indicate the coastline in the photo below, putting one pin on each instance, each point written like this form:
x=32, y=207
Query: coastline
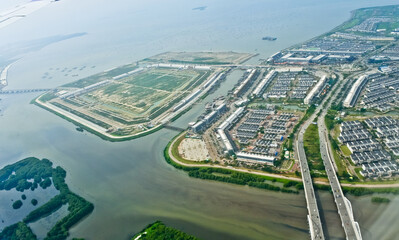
x=321, y=185
x=81, y=123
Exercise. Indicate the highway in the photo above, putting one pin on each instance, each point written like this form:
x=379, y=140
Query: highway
x=351, y=227
x=315, y=226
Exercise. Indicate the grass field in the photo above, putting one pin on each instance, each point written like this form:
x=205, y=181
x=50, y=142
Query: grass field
x=312, y=148
x=345, y=150
x=136, y=95
x=340, y=163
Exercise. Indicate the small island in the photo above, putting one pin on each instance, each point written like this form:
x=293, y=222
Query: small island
x=158, y=231
x=268, y=38
x=30, y=173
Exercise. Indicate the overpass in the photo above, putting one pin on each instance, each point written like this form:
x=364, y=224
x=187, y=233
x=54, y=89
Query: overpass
x=20, y=91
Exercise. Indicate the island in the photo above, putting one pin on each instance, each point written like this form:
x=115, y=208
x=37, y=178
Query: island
x=158, y=231
x=26, y=176
x=137, y=99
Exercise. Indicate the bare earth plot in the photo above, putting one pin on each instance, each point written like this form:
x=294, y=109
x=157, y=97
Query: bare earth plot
x=209, y=58
x=193, y=149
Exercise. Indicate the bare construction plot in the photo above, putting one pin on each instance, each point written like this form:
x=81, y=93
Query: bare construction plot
x=193, y=149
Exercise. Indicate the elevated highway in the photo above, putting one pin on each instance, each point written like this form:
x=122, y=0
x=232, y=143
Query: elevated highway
x=315, y=226
x=19, y=91
x=351, y=227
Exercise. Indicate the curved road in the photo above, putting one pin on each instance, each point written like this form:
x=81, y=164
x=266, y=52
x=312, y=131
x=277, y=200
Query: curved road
x=271, y=174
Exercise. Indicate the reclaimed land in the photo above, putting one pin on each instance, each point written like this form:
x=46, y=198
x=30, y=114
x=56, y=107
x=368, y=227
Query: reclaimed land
x=261, y=179
x=226, y=174
x=208, y=58
x=158, y=231
x=99, y=134
x=129, y=105
x=130, y=101
x=40, y=171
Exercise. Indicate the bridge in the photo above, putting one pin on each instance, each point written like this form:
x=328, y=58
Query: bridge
x=178, y=129
x=315, y=226
x=351, y=227
x=20, y=91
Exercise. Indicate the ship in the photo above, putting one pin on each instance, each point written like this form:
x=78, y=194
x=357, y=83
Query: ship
x=269, y=38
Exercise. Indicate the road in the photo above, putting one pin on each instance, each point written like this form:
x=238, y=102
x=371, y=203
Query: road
x=351, y=227
x=316, y=230
x=315, y=226
x=225, y=167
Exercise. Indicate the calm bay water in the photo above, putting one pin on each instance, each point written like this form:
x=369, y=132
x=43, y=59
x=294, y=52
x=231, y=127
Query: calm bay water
x=130, y=183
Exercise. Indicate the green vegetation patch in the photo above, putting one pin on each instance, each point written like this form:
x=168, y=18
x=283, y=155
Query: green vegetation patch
x=339, y=162
x=18, y=231
x=311, y=143
x=345, y=150
x=290, y=143
x=359, y=191
x=17, y=175
x=158, y=231
x=380, y=200
x=34, y=202
x=17, y=204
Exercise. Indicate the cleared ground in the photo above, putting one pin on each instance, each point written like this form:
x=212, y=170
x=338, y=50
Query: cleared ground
x=211, y=58
x=193, y=149
x=137, y=95
x=127, y=105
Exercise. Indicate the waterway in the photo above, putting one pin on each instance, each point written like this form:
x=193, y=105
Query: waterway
x=129, y=183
